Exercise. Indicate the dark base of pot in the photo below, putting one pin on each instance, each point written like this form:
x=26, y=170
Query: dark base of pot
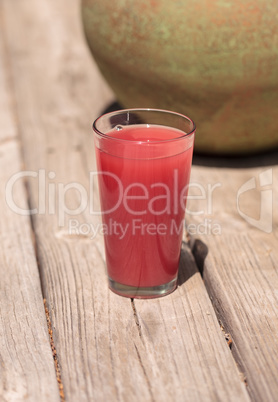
x=263, y=158
x=113, y=107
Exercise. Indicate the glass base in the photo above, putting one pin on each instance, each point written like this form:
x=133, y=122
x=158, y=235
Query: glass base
x=149, y=292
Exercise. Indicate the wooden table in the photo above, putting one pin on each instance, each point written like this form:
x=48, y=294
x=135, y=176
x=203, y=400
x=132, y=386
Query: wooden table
x=63, y=334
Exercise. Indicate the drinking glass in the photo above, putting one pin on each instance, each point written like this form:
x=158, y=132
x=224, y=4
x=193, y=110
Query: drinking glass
x=144, y=160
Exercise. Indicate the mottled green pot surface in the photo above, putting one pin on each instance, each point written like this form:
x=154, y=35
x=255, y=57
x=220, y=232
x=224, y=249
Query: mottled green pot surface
x=215, y=61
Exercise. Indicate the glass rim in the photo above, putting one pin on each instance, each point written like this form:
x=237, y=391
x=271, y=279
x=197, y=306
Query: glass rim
x=144, y=110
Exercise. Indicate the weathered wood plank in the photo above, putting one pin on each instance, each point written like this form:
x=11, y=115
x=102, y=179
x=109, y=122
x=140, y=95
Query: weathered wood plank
x=183, y=334
x=241, y=267
x=26, y=363
x=108, y=348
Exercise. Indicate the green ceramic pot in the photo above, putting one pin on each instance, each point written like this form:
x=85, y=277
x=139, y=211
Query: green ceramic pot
x=215, y=61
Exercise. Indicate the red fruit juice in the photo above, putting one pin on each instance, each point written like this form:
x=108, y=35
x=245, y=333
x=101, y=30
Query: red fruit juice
x=143, y=180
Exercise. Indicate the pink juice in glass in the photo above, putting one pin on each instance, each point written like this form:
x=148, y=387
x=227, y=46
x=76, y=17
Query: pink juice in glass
x=143, y=177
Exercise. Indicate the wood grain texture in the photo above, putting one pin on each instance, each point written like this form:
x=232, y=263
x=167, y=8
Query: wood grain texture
x=109, y=348
x=182, y=333
x=241, y=267
x=26, y=363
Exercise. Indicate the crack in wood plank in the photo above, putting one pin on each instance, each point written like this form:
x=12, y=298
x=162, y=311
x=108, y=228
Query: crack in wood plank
x=136, y=319
x=54, y=352
x=145, y=373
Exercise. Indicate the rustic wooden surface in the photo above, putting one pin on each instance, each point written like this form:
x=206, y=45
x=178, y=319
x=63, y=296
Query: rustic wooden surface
x=108, y=347
x=26, y=362
x=241, y=267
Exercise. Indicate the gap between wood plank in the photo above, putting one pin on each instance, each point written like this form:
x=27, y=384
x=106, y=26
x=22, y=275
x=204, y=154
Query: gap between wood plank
x=200, y=251
x=47, y=314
